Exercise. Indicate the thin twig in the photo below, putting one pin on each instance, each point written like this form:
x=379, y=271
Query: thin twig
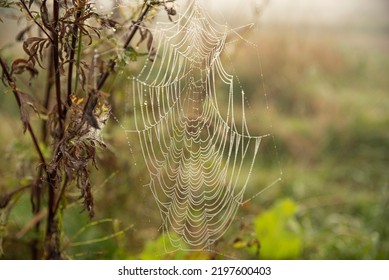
x=6, y=198
x=134, y=29
x=35, y=21
x=12, y=85
x=61, y=193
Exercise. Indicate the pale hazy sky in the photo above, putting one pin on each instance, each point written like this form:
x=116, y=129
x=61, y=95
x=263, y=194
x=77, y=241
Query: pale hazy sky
x=309, y=12
x=327, y=12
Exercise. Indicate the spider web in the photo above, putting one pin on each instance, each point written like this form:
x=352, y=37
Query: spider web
x=196, y=151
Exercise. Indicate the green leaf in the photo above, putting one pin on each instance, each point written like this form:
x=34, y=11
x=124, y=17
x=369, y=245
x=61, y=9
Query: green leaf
x=279, y=232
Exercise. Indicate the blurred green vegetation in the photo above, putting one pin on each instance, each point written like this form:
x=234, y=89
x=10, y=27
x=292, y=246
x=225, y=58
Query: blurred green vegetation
x=328, y=100
x=279, y=232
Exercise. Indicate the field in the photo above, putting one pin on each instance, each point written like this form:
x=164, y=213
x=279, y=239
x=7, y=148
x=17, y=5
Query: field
x=327, y=93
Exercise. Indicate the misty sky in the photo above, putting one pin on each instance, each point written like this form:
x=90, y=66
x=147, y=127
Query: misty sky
x=311, y=12
x=332, y=13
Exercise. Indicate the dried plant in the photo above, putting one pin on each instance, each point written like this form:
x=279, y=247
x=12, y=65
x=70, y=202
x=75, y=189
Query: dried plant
x=53, y=43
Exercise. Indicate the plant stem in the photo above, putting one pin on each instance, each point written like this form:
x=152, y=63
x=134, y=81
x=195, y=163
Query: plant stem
x=56, y=67
x=36, y=201
x=71, y=58
x=52, y=243
x=36, y=191
x=46, y=101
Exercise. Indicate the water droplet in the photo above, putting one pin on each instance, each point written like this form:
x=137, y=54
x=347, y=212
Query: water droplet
x=145, y=103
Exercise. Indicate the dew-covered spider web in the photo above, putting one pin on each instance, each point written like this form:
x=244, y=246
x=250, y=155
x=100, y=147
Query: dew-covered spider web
x=198, y=153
